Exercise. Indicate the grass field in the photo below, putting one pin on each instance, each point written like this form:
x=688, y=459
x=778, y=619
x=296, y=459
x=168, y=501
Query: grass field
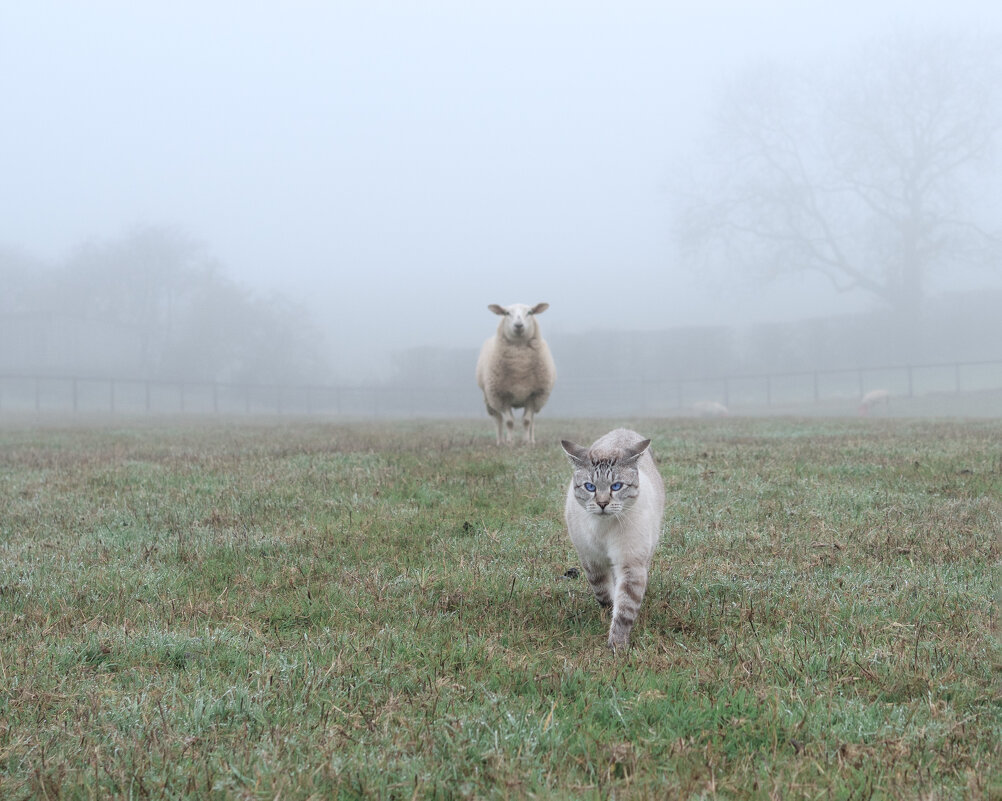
x=306, y=610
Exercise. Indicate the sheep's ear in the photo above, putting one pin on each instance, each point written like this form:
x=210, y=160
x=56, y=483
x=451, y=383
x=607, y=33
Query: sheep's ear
x=497, y=309
x=577, y=454
x=634, y=453
x=539, y=308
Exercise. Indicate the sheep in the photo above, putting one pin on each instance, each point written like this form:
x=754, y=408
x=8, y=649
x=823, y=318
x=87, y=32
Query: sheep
x=710, y=409
x=871, y=399
x=515, y=369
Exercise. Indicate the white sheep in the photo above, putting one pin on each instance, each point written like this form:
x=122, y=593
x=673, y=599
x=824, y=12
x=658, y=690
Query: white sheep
x=710, y=409
x=515, y=369
x=871, y=399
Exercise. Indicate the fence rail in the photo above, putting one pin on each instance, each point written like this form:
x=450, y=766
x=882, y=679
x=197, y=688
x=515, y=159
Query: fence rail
x=835, y=391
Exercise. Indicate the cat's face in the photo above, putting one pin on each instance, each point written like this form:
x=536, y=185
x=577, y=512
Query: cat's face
x=606, y=488
x=604, y=484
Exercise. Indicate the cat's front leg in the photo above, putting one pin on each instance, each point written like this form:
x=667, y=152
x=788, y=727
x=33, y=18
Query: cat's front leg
x=631, y=585
x=600, y=578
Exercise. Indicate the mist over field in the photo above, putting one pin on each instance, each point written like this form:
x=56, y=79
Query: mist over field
x=258, y=534
x=333, y=193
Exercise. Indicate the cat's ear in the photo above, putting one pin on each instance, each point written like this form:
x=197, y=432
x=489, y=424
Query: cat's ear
x=577, y=454
x=539, y=308
x=497, y=309
x=634, y=453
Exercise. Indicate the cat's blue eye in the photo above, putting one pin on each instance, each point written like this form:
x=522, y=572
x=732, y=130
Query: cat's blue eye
x=617, y=486
x=589, y=486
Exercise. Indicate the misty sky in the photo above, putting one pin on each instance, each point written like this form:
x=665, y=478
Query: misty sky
x=400, y=165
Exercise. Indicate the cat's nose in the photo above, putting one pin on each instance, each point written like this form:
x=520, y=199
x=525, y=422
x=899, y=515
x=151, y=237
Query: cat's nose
x=601, y=504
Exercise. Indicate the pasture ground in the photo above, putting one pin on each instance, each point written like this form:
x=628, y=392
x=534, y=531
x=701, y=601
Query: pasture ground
x=311, y=610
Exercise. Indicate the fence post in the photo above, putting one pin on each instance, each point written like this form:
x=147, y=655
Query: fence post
x=649, y=394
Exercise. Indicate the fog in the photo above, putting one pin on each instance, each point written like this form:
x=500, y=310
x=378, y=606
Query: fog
x=395, y=167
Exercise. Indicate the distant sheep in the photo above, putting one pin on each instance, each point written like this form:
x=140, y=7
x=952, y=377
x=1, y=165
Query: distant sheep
x=872, y=399
x=710, y=409
x=515, y=369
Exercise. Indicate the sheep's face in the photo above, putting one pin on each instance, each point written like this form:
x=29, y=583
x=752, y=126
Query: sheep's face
x=519, y=320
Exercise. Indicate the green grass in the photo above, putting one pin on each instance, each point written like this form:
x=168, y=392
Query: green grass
x=207, y=610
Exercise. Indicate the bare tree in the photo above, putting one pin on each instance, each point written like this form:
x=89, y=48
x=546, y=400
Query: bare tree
x=20, y=276
x=872, y=174
x=137, y=281
x=225, y=332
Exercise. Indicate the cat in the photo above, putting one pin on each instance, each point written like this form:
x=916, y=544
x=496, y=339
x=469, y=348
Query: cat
x=615, y=504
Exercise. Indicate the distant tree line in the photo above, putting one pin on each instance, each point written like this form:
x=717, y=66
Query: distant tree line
x=955, y=327
x=152, y=304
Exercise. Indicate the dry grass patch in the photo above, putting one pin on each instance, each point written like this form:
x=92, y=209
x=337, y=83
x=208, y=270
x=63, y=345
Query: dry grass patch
x=375, y=611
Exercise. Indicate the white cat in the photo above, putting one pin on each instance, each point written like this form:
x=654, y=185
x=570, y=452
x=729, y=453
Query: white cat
x=614, y=508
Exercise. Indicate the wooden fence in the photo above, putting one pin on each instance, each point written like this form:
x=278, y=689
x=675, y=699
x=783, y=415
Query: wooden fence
x=804, y=392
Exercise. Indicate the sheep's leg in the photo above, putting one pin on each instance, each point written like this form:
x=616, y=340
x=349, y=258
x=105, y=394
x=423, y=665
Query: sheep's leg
x=497, y=420
x=509, y=424
x=529, y=424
